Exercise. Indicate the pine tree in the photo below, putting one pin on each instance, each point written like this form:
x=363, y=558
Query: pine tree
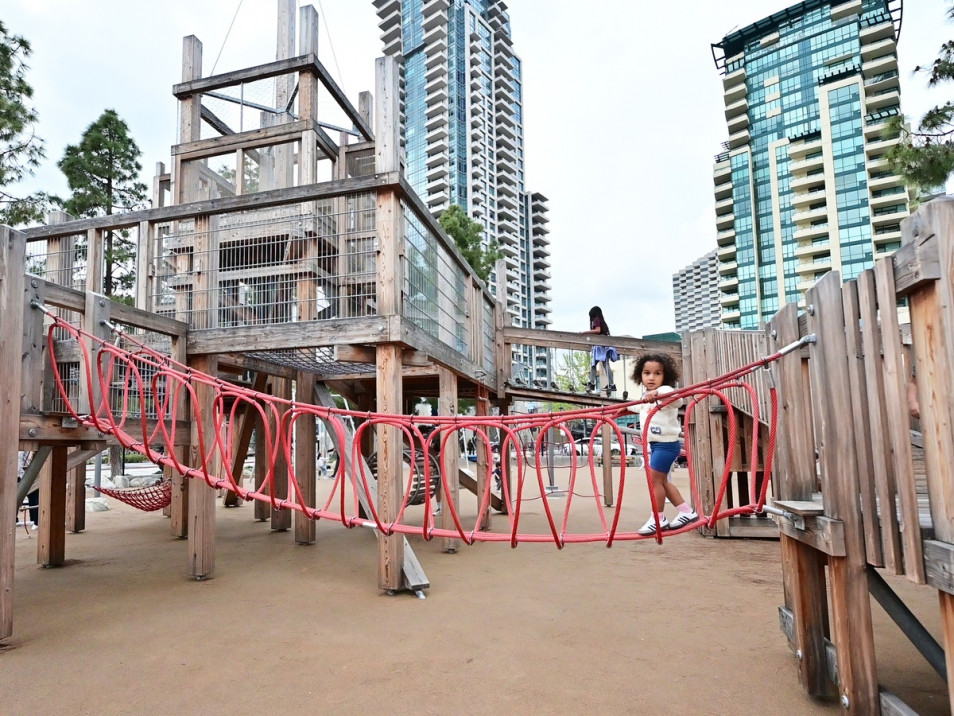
x=20, y=148
x=925, y=157
x=102, y=172
x=467, y=235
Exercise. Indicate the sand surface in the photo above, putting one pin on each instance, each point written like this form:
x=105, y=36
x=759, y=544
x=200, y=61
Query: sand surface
x=687, y=626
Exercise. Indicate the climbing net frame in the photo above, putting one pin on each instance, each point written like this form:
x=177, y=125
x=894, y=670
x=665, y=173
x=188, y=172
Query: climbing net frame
x=167, y=384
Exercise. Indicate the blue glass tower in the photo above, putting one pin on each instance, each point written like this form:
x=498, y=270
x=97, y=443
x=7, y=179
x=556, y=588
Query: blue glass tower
x=802, y=186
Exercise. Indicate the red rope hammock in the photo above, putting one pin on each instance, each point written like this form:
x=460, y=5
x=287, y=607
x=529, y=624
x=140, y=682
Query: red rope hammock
x=152, y=380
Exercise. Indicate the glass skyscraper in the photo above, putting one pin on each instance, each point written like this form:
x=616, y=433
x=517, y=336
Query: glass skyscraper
x=802, y=186
x=463, y=134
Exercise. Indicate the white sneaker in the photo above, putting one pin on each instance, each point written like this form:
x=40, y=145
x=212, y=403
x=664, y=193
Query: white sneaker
x=683, y=519
x=650, y=527
x=437, y=512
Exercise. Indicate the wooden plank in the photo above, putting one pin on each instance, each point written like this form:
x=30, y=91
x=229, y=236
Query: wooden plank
x=201, y=495
x=270, y=136
x=811, y=508
x=608, y=490
x=281, y=520
x=795, y=464
x=450, y=494
x=850, y=604
x=202, y=85
x=390, y=452
x=917, y=262
x=387, y=121
x=482, y=409
x=861, y=416
x=12, y=259
x=947, y=630
x=899, y=422
x=717, y=430
x=305, y=465
x=577, y=341
x=235, y=339
x=810, y=614
x=820, y=533
x=699, y=439
x=882, y=466
x=179, y=506
x=225, y=205
x=51, y=543
x=932, y=334
x=76, y=491
x=939, y=565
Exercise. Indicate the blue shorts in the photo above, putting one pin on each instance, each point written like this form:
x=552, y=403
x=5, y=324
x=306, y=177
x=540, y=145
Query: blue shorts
x=663, y=455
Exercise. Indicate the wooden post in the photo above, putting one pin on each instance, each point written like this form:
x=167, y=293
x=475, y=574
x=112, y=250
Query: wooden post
x=850, y=604
x=262, y=509
x=185, y=180
x=482, y=406
x=76, y=497
x=201, y=494
x=447, y=405
x=51, y=546
x=607, y=435
x=281, y=519
x=305, y=467
x=179, y=507
x=390, y=465
x=12, y=262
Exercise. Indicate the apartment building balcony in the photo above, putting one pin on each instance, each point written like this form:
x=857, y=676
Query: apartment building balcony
x=436, y=105
x=876, y=183
x=436, y=83
x=734, y=78
x=508, y=248
x=879, y=83
x=505, y=129
x=736, y=108
x=436, y=56
x=506, y=194
x=728, y=267
x=880, y=48
x=875, y=33
x=880, y=146
x=799, y=150
x=727, y=255
x=896, y=197
x=385, y=7
x=434, y=14
x=389, y=16
x=813, y=249
x=809, y=215
x=391, y=35
x=728, y=282
x=540, y=231
x=739, y=139
x=880, y=220
x=738, y=123
x=538, y=203
x=725, y=221
x=886, y=236
x=804, y=166
x=880, y=65
x=734, y=92
x=437, y=200
x=882, y=99
x=808, y=197
x=810, y=270
x=811, y=232
x=507, y=210
x=731, y=313
x=811, y=182
x=722, y=171
x=840, y=12
x=876, y=163
x=438, y=184
x=505, y=142
x=726, y=236
x=724, y=206
x=438, y=155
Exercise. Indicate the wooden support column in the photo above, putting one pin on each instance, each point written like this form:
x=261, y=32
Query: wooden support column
x=850, y=605
x=51, y=544
x=447, y=405
x=932, y=334
x=12, y=261
x=262, y=509
x=482, y=407
x=390, y=465
x=145, y=269
x=201, y=494
x=607, y=455
x=280, y=519
x=76, y=497
x=185, y=177
x=179, y=507
x=305, y=467
x=698, y=440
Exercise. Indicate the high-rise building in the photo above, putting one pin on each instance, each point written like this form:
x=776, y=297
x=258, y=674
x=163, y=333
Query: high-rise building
x=463, y=134
x=802, y=186
x=695, y=291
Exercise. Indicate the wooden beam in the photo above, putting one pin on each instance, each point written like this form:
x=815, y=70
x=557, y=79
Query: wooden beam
x=289, y=336
x=344, y=353
x=51, y=547
x=207, y=207
x=578, y=341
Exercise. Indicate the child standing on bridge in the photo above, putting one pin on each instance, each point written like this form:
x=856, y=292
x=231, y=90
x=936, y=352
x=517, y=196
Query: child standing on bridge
x=601, y=355
x=657, y=373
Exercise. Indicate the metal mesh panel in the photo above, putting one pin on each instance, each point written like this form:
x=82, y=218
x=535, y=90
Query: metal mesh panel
x=314, y=360
x=243, y=107
x=124, y=388
x=70, y=375
x=272, y=266
x=435, y=286
x=61, y=260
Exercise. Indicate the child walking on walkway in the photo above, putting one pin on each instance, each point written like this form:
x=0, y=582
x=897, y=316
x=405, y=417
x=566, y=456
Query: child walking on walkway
x=601, y=354
x=658, y=375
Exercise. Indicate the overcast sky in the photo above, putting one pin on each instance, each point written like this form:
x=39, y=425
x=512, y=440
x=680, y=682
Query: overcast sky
x=623, y=112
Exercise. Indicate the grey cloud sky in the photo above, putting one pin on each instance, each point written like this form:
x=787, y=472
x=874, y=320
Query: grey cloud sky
x=622, y=107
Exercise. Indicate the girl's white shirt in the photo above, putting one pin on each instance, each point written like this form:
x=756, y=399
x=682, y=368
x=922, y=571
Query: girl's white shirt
x=664, y=426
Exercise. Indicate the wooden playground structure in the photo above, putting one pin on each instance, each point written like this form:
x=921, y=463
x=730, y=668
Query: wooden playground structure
x=307, y=265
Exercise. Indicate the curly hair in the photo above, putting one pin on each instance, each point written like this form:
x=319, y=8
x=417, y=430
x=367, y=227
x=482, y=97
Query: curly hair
x=670, y=370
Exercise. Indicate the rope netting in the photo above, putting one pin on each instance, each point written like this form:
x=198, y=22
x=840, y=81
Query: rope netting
x=160, y=392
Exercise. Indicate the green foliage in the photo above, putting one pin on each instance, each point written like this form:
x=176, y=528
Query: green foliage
x=102, y=172
x=20, y=148
x=925, y=157
x=467, y=234
x=573, y=371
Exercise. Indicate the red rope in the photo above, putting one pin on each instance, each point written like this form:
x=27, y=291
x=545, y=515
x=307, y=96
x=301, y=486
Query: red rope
x=151, y=380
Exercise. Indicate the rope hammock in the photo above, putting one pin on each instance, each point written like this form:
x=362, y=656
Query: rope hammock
x=147, y=498
x=157, y=390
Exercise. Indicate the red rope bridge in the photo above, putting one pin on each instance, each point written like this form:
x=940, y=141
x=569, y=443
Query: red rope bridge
x=153, y=381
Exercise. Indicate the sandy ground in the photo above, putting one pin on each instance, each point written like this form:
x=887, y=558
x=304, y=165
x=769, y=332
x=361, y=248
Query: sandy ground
x=690, y=625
